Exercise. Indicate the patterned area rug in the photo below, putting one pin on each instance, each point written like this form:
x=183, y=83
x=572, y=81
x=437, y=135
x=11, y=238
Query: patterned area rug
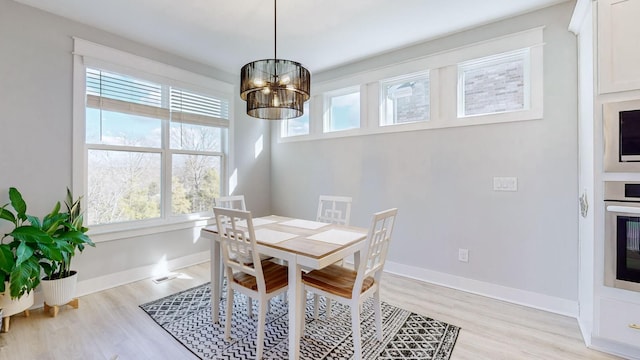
x=187, y=317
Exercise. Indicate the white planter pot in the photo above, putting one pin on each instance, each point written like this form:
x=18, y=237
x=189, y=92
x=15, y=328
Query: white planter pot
x=59, y=291
x=14, y=306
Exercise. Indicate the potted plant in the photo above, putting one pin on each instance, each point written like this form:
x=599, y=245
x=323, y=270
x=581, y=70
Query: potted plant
x=59, y=284
x=20, y=252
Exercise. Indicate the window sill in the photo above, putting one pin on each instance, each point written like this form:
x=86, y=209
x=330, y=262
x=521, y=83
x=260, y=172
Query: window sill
x=103, y=233
x=423, y=125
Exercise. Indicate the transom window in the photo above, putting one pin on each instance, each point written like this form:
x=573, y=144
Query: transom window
x=296, y=126
x=405, y=99
x=494, y=84
x=344, y=110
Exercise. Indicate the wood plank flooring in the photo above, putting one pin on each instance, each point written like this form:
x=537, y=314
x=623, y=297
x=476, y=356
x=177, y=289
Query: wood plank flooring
x=110, y=325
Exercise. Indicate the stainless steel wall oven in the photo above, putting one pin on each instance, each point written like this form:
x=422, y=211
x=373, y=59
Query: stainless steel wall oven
x=622, y=234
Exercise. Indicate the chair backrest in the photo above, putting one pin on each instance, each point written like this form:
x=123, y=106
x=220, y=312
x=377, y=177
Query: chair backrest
x=334, y=209
x=238, y=243
x=375, y=247
x=230, y=202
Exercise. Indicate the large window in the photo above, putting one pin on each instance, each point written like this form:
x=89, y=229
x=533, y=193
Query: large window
x=494, y=84
x=405, y=99
x=153, y=151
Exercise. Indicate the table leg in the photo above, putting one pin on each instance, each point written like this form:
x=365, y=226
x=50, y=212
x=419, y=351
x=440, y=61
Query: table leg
x=216, y=277
x=356, y=260
x=295, y=309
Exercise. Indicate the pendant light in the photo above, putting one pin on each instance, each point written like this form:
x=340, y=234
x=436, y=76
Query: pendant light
x=274, y=89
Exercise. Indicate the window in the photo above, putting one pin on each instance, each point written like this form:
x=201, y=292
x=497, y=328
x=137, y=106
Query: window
x=297, y=126
x=492, y=81
x=344, y=110
x=494, y=84
x=152, y=150
x=405, y=99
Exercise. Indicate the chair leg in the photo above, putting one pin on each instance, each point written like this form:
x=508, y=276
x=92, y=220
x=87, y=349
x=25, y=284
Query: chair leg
x=229, y=314
x=249, y=307
x=316, y=305
x=262, y=319
x=378, y=314
x=355, y=327
x=221, y=272
x=302, y=324
x=304, y=311
x=327, y=312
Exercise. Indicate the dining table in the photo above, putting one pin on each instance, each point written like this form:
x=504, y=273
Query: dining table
x=304, y=245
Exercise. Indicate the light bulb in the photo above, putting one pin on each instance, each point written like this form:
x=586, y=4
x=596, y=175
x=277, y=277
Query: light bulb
x=285, y=80
x=258, y=82
x=276, y=101
x=266, y=90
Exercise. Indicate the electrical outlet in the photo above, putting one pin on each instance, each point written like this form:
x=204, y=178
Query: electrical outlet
x=463, y=255
x=505, y=183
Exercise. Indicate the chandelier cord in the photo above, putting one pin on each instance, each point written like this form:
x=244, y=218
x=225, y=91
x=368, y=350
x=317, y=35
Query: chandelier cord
x=275, y=30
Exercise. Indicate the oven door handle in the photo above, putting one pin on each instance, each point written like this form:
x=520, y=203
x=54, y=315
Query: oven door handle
x=623, y=209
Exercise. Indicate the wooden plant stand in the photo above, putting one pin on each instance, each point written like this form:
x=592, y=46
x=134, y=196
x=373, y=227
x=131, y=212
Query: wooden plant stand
x=47, y=308
x=7, y=319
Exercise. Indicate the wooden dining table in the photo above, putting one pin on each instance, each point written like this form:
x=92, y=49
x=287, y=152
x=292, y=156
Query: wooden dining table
x=303, y=244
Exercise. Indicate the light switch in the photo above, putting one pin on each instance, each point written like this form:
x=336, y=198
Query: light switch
x=505, y=184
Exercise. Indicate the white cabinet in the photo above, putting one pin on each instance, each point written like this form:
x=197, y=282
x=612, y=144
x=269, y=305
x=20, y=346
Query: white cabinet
x=620, y=321
x=609, y=71
x=618, y=45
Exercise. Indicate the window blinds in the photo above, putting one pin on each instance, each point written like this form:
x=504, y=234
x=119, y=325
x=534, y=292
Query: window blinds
x=114, y=92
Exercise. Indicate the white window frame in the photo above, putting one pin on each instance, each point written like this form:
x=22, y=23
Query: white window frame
x=89, y=54
x=443, y=80
x=382, y=100
x=523, y=54
x=326, y=128
x=284, y=127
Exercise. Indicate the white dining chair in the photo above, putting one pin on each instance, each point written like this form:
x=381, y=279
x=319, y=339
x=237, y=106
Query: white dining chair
x=333, y=210
x=246, y=273
x=235, y=202
x=352, y=287
x=230, y=202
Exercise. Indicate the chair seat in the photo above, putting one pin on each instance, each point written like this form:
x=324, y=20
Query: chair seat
x=275, y=277
x=336, y=280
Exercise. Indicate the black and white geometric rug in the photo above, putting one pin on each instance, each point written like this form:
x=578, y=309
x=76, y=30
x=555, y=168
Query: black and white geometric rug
x=187, y=317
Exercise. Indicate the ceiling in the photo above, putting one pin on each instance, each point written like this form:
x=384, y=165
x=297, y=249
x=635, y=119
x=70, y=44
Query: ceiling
x=320, y=34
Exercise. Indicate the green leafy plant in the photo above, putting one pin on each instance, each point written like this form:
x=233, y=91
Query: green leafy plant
x=30, y=241
x=68, y=238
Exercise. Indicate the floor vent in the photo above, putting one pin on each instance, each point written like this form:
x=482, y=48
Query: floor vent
x=165, y=278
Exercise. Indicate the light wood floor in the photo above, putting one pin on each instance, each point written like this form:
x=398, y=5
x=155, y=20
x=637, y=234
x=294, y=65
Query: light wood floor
x=110, y=325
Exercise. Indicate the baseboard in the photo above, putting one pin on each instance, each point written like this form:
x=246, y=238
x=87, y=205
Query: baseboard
x=499, y=292
x=585, y=329
x=128, y=276
x=516, y=296
x=612, y=347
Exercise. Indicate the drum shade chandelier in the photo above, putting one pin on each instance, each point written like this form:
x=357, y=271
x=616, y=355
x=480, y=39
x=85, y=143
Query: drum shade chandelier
x=274, y=89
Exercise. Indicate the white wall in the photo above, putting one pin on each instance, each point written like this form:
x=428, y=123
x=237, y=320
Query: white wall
x=441, y=180
x=35, y=133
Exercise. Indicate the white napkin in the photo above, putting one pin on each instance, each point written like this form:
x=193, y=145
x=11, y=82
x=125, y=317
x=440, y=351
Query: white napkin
x=256, y=222
x=305, y=224
x=268, y=236
x=339, y=237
